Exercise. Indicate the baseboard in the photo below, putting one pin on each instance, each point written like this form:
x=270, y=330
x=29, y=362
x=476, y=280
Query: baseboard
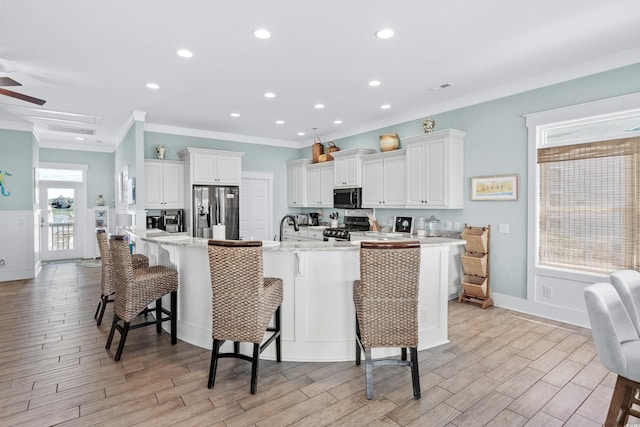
x=552, y=312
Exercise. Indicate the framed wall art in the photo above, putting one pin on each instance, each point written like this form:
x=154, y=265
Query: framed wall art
x=499, y=187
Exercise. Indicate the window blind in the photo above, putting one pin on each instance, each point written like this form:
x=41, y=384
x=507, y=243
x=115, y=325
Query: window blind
x=589, y=205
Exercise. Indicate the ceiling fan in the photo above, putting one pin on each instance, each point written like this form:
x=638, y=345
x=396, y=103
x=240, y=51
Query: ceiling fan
x=7, y=81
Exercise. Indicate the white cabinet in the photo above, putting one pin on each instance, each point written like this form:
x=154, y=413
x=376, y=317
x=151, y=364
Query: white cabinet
x=383, y=179
x=297, y=182
x=320, y=184
x=348, y=167
x=164, y=181
x=213, y=167
x=435, y=170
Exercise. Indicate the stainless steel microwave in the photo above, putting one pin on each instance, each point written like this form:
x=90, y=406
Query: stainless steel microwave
x=347, y=198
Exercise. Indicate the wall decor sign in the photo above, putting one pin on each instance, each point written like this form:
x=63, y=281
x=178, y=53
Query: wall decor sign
x=499, y=187
x=3, y=185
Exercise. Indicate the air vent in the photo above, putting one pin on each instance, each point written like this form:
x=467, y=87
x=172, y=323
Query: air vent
x=68, y=129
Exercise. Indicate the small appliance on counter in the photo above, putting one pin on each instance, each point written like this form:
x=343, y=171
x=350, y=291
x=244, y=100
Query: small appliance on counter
x=153, y=221
x=172, y=220
x=302, y=219
x=314, y=218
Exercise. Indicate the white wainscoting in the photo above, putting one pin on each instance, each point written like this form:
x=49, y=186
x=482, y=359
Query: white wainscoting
x=19, y=245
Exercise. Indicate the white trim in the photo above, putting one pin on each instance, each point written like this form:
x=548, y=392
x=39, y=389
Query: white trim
x=548, y=311
x=174, y=130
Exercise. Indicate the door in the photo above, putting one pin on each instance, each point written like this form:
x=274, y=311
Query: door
x=61, y=229
x=256, y=207
x=64, y=219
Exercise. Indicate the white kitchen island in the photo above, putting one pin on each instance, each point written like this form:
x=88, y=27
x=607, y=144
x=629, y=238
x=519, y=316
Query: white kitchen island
x=318, y=315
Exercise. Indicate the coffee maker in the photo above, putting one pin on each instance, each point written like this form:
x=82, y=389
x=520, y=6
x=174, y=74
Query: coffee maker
x=172, y=220
x=314, y=218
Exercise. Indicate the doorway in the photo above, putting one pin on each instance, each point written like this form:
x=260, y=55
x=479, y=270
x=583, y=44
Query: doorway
x=256, y=206
x=64, y=212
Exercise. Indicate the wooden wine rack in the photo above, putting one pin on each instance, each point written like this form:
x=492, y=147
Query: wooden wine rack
x=476, y=286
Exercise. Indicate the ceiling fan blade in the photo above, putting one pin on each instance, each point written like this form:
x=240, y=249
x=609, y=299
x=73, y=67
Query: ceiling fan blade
x=8, y=81
x=22, y=97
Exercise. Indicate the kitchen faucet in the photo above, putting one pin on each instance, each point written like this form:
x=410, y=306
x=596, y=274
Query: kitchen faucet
x=295, y=224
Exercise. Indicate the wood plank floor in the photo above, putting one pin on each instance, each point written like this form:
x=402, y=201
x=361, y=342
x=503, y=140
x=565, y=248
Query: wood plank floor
x=501, y=368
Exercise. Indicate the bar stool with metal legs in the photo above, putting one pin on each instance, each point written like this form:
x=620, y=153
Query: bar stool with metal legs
x=618, y=346
x=243, y=302
x=136, y=289
x=386, y=301
x=107, y=285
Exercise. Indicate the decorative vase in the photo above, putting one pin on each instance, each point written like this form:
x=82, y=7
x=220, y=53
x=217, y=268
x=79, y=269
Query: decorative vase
x=100, y=200
x=160, y=151
x=429, y=125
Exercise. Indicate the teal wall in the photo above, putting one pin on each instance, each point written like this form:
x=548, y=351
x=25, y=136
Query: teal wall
x=100, y=171
x=496, y=143
x=257, y=158
x=17, y=158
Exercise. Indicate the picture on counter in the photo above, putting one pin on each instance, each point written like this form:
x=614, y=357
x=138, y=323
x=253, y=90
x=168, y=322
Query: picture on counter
x=403, y=224
x=500, y=187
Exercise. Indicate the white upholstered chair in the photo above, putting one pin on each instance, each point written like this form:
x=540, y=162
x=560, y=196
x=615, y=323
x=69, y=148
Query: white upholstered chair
x=618, y=346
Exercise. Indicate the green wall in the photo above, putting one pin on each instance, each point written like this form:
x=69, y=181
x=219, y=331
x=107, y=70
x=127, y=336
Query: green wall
x=496, y=143
x=257, y=158
x=17, y=159
x=100, y=171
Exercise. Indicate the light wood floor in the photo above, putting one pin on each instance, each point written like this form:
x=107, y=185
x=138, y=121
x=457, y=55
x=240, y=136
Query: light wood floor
x=500, y=368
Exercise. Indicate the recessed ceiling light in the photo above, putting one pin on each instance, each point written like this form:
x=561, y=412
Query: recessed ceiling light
x=385, y=106
x=279, y=122
x=185, y=53
x=269, y=95
x=153, y=86
x=337, y=122
x=234, y=115
x=374, y=83
x=318, y=106
x=385, y=33
x=261, y=34
x=79, y=138
x=301, y=133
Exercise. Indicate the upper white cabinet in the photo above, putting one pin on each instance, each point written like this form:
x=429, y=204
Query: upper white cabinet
x=213, y=167
x=435, y=170
x=348, y=167
x=383, y=179
x=164, y=181
x=297, y=182
x=320, y=184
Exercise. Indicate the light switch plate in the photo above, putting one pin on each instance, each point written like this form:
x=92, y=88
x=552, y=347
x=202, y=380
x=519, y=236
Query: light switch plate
x=503, y=228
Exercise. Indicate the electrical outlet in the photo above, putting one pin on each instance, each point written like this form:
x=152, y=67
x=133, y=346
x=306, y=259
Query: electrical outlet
x=546, y=292
x=423, y=315
x=503, y=228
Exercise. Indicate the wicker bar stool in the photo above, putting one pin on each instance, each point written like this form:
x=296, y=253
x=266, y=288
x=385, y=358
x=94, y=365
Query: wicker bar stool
x=107, y=285
x=243, y=302
x=618, y=346
x=136, y=289
x=386, y=301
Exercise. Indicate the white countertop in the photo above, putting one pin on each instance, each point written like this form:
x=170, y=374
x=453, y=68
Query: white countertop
x=182, y=239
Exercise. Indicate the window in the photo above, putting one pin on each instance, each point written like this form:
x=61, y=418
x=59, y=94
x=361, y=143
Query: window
x=589, y=205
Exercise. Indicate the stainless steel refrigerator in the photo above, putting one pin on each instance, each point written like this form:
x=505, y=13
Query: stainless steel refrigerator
x=215, y=206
